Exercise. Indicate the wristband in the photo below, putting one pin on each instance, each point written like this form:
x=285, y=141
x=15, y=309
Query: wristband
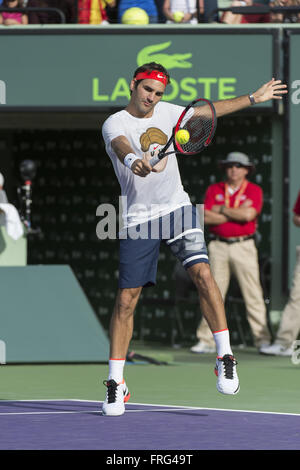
x=129, y=159
x=252, y=100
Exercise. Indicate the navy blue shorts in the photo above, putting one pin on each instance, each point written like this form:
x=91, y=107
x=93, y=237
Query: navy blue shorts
x=139, y=246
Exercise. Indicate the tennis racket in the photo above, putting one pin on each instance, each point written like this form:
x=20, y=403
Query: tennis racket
x=200, y=120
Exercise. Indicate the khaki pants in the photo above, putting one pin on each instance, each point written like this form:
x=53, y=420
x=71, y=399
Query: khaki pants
x=240, y=259
x=290, y=321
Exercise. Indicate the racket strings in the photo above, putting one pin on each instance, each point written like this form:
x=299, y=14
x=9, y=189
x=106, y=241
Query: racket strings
x=199, y=122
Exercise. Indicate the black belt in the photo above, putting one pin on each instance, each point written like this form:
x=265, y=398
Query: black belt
x=234, y=239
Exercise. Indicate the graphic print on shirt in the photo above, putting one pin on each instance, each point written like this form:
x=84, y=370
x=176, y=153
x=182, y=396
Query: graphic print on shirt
x=152, y=138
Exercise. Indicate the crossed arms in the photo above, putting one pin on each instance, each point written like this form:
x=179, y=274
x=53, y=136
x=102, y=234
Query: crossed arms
x=244, y=213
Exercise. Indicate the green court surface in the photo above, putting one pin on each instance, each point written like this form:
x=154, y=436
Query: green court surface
x=267, y=383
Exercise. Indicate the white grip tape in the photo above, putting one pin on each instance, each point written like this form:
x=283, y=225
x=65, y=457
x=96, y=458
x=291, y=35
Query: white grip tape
x=129, y=159
x=154, y=160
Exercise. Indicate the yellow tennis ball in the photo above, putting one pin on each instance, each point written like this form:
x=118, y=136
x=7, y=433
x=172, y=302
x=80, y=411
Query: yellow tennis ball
x=135, y=15
x=178, y=15
x=182, y=136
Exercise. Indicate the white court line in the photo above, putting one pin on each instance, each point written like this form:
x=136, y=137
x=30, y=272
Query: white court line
x=198, y=408
x=171, y=408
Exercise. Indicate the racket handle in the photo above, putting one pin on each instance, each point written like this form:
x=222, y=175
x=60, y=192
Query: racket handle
x=154, y=160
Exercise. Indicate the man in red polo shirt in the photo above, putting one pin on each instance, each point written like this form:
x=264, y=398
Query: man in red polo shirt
x=231, y=209
x=289, y=327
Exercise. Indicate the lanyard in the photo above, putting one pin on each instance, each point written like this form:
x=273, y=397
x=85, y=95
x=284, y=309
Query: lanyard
x=238, y=197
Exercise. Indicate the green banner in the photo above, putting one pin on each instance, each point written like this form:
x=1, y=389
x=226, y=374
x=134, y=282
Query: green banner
x=294, y=144
x=82, y=68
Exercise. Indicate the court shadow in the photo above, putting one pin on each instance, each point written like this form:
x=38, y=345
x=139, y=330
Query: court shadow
x=197, y=413
x=183, y=413
x=47, y=405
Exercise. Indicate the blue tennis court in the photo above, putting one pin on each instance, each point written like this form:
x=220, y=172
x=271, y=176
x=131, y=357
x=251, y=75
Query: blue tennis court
x=80, y=425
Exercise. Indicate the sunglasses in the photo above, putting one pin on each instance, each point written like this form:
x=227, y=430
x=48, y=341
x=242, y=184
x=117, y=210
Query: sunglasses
x=236, y=165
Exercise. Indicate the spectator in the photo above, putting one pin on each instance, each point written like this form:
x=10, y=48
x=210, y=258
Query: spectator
x=231, y=18
x=231, y=209
x=94, y=11
x=290, y=321
x=9, y=216
x=67, y=7
x=180, y=11
x=3, y=197
x=148, y=5
x=285, y=18
x=205, y=10
x=159, y=6
x=13, y=18
x=112, y=12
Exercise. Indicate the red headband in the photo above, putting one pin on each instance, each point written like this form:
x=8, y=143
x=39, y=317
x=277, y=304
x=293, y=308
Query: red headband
x=153, y=75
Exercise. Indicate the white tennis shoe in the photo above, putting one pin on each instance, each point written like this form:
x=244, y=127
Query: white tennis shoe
x=202, y=348
x=225, y=370
x=276, y=349
x=116, y=397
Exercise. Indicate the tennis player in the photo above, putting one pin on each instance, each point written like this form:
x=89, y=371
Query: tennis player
x=159, y=210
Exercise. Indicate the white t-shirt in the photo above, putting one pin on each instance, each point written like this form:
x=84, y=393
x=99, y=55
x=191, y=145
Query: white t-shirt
x=158, y=193
x=187, y=6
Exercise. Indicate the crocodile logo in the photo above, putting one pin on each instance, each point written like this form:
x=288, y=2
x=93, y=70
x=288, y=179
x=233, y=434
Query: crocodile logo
x=169, y=61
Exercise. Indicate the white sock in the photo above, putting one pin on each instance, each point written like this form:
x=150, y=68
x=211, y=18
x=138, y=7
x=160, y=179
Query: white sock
x=222, y=341
x=115, y=369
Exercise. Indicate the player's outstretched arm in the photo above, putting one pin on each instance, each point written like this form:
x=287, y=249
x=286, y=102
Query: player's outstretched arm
x=274, y=89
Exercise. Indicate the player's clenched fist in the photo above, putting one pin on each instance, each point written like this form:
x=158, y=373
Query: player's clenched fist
x=141, y=167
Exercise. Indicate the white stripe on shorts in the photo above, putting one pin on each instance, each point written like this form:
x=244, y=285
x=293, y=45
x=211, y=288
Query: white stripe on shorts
x=191, y=230
x=194, y=257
